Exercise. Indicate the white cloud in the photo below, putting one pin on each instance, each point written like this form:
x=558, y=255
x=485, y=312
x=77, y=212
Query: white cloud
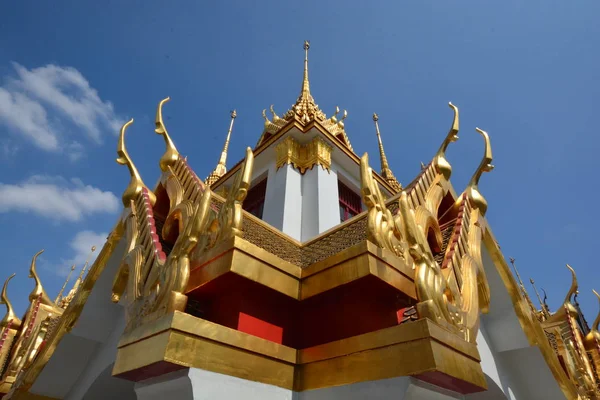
x=40, y=102
x=81, y=246
x=56, y=198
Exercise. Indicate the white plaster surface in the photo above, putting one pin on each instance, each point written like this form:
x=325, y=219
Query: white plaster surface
x=198, y=384
x=320, y=202
x=76, y=350
x=283, y=200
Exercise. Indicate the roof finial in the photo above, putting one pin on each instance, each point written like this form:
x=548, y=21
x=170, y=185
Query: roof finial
x=136, y=184
x=10, y=313
x=69, y=297
x=305, y=83
x=305, y=108
x=542, y=303
x=221, y=167
x=39, y=289
x=171, y=154
x=485, y=166
x=440, y=161
x=597, y=320
x=521, y=286
x=573, y=290
x=62, y=289
x=386, y=172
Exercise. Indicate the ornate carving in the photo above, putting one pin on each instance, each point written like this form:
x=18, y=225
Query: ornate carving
x=136, y=184
x=382, y=228
x=155, y=286
x=171, y=154
x=303, y=157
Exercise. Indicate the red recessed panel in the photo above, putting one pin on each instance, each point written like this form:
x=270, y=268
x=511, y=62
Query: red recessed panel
x=260, y=328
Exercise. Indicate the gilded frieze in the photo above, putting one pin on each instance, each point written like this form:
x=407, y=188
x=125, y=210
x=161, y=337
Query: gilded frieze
x=304, y=156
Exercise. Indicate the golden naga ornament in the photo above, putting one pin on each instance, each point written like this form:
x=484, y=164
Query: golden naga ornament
x=154, y=284
x=442, y=165
x=171, y=154
x=38, y=290
x=136, y=184
x=485, y=166
x=9, y=318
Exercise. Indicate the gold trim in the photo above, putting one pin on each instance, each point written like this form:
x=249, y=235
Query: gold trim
x=533, y=330
x=303, y=156
x=184, y=340
x=304, y=129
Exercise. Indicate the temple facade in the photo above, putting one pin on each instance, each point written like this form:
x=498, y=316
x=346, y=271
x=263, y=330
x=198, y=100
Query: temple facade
x=299, y=273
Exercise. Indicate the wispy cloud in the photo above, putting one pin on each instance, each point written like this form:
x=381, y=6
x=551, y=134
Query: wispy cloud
x=40, y=104
x=81, y=251
x=56, y=198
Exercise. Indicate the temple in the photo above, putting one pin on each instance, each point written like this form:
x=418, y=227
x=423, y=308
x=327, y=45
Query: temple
x=299, y=273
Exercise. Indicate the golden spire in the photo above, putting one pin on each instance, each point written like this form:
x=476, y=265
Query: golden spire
x=542, y=304
x=136, y=184
x=221, y=167
x=485, y=166
x=171, y=154
x=305, y=107
x=62, y=289
x=10, y=313
x=386, y=172
x=67, y=299
x=82, y=273
x=39, y=289
x=521, y=286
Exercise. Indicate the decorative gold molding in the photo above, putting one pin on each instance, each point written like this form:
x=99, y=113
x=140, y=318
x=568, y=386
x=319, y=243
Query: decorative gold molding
x=304, y=156
x=184, y=340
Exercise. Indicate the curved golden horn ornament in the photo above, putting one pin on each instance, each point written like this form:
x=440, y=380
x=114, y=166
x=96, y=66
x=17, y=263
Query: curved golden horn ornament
x=443, y=166
x=39, y=289
x=596, y=323
x=573, y=290
x=10, y=312
x=171, y=154
x=472, y=191
x=136, y=184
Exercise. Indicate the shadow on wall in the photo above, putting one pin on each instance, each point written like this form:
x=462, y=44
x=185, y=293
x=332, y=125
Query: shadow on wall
x=107, y=386
x=494, y=392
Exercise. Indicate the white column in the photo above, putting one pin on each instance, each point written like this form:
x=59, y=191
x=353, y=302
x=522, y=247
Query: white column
x=320, y=202
x=283, y=200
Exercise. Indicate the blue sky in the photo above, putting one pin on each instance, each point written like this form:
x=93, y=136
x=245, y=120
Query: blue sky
x=526, y=72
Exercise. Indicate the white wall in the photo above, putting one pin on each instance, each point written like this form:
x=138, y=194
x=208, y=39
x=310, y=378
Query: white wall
x=320, y=202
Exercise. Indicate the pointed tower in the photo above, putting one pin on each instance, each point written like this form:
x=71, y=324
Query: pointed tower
x=306, y=177
x=221, y=167
x=386, y=172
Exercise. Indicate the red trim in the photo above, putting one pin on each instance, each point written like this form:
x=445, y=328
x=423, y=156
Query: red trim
x=350, y=203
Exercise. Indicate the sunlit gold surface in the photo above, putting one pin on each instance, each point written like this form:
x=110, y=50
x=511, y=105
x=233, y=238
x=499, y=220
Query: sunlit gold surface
x=442, y=165
x=171, y=154
x=192, y=342
x=386, y=171
x=221, y=167
x=136, y=184
x=9, y=316
x=485, y=166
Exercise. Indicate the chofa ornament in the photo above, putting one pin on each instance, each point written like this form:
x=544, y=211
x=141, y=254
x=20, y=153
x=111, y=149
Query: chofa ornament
x=152, y=282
